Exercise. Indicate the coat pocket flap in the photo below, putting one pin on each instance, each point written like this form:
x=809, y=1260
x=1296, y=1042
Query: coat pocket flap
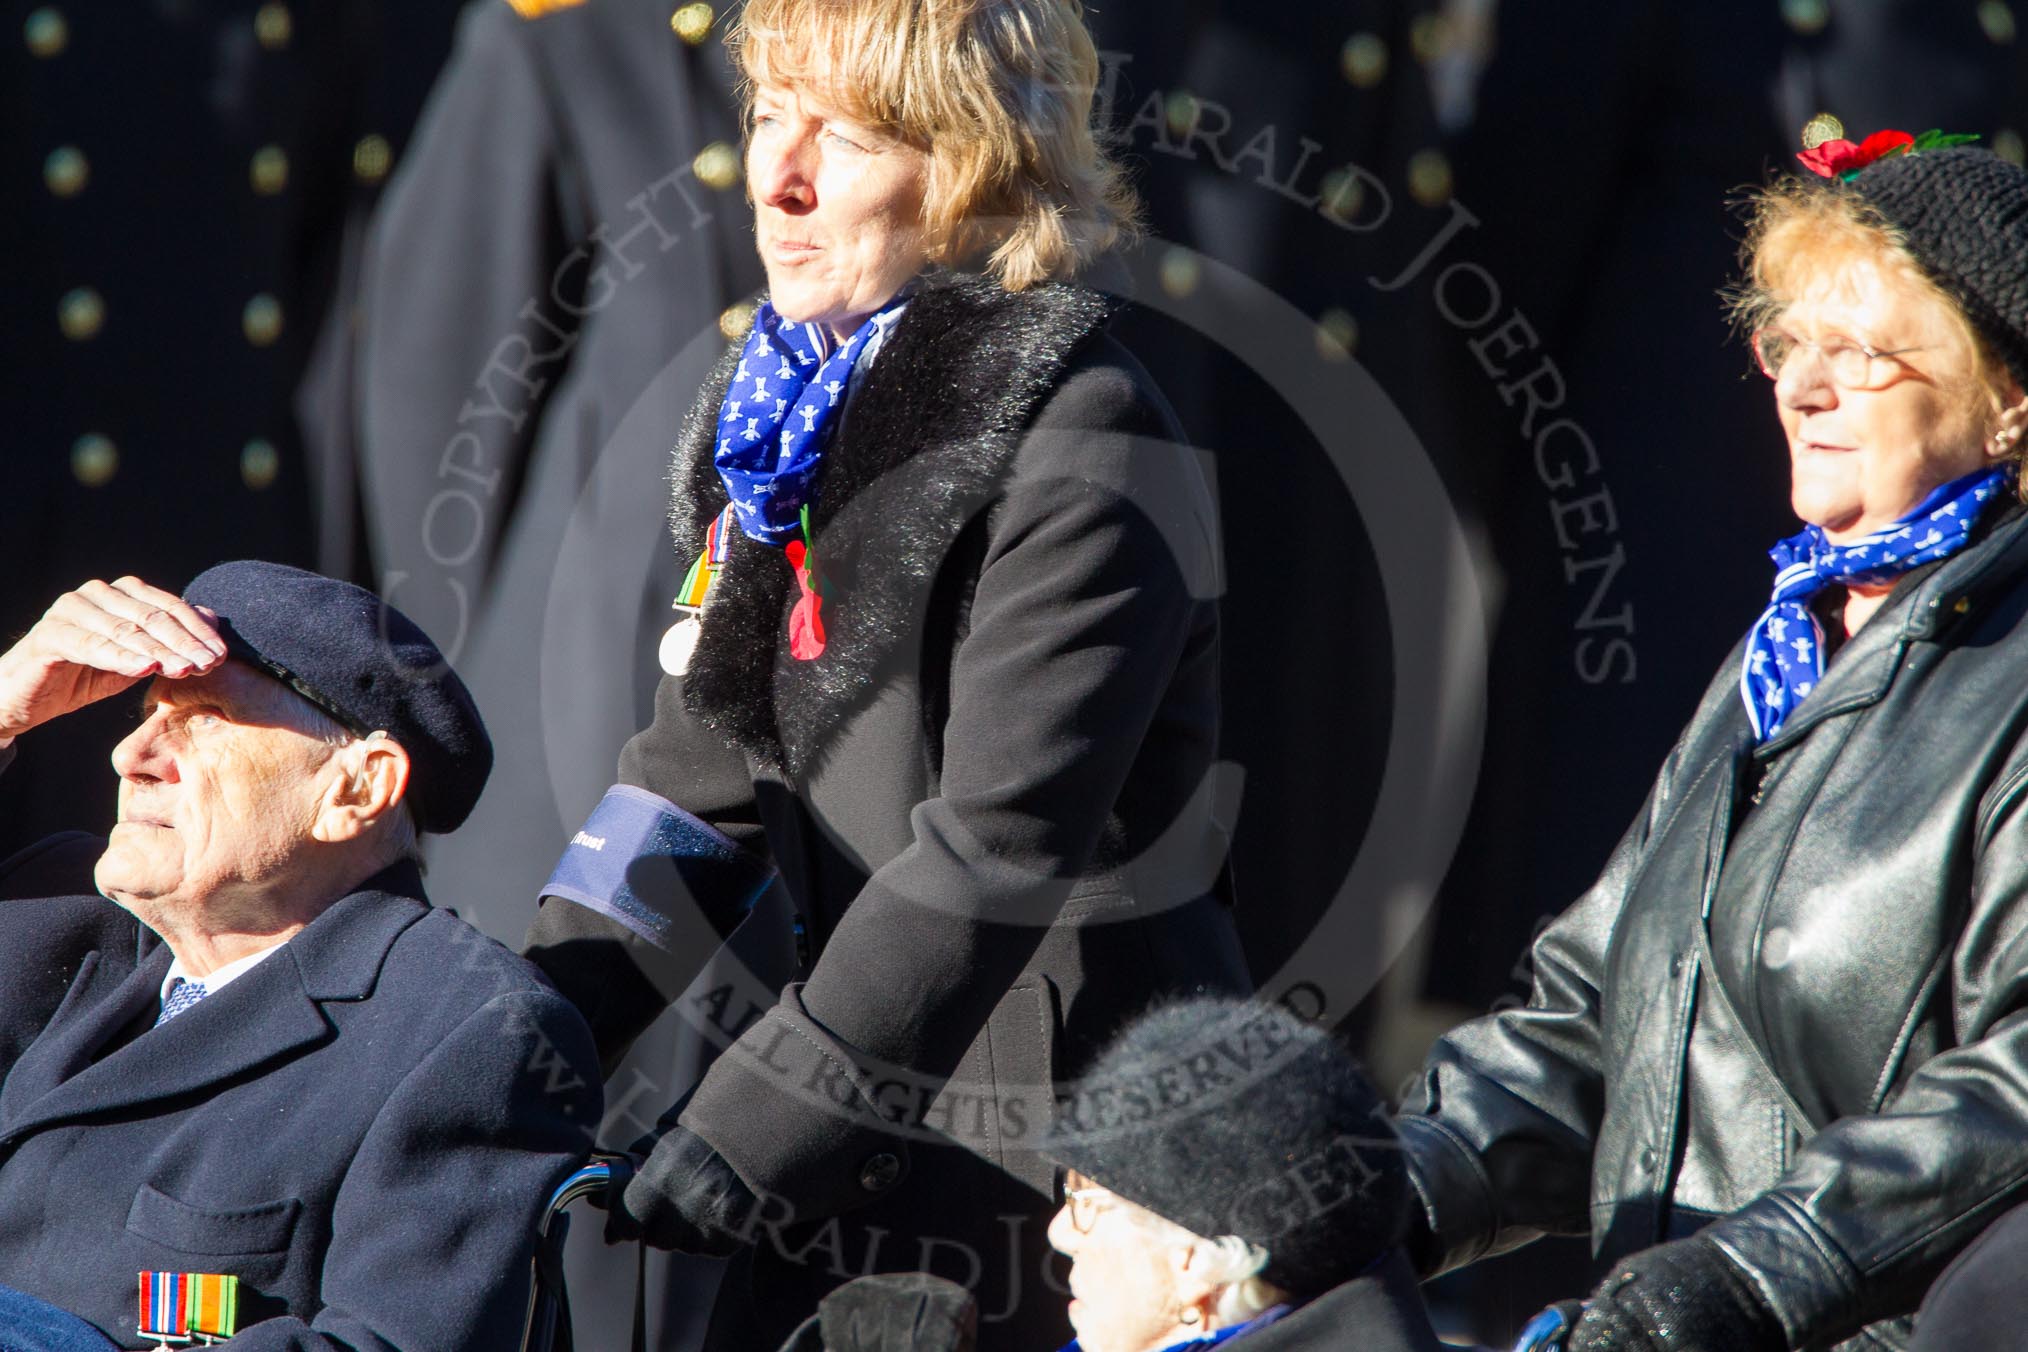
x=265, y=1228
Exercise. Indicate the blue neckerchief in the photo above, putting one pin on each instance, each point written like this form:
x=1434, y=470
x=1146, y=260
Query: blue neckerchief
x=1785, y=647
x=777, y=414
x=1202, y=1341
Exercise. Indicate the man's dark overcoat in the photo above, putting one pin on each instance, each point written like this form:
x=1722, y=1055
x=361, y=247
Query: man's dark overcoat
x=991, y=799
x=1793, y=1011
x=364, y=1127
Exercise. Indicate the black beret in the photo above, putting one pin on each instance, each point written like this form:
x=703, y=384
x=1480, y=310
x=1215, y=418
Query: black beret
x=365, y=664
x=1235, y=1117
x=1965, y=212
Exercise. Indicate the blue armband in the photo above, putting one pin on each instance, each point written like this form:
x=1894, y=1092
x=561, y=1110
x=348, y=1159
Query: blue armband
x=599, y=866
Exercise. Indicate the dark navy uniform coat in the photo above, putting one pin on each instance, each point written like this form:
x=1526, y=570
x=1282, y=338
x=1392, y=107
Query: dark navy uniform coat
x=364, y=1128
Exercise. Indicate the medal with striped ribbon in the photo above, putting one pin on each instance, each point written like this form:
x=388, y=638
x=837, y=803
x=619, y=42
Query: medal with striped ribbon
x=189, y=1307
x=681, y=639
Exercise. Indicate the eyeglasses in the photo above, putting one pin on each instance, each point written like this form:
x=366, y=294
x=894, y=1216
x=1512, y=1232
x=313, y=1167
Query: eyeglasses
x=1085, y=1199
x=1853, y=366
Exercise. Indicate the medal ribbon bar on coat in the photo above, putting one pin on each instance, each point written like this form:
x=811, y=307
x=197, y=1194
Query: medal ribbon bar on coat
x=697, y=582
x=189, y=1307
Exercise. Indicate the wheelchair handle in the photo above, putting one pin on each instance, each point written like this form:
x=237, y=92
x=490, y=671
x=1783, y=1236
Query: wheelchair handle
x=588, y=1181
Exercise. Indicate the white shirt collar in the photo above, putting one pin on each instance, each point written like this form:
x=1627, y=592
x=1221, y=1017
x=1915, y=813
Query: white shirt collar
x=220, y=977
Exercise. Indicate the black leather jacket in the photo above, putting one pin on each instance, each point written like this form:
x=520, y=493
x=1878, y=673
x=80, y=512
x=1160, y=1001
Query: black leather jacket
x=1797, y=998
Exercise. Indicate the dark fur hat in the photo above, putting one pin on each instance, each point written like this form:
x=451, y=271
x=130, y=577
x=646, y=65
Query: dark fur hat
x=1234, y=1117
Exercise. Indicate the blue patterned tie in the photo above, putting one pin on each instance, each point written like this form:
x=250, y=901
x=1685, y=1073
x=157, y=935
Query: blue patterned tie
x=182, y=995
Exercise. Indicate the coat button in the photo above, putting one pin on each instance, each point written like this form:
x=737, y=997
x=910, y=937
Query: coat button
x=273, y=25
x=259, y=463
x=1776, y=949
x=1647, y=1161
x=261, y=320
x=268, y=171
x=1364, y=59
x=1806, y=17
x=372, y=157
x=735, y=322
x=1676, y=965
x=81, y=314
x=716, y=166
x=692, y=23
x=46, y=32
x=66, y=171
x=94, y=460
x=879, y=1172
x=1997, y=18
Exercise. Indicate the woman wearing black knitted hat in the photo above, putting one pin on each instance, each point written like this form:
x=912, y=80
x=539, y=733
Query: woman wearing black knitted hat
x=1775, y=1063
x=1232, y=1177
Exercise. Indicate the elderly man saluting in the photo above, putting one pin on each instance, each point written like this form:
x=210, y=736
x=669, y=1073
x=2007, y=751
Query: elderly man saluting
x=266, y=1087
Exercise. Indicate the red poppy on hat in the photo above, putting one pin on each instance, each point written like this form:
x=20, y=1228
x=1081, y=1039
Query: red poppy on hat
x=1843, y=160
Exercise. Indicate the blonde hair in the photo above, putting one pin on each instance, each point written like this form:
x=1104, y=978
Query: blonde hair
x=999, y=95
x=1798, y=231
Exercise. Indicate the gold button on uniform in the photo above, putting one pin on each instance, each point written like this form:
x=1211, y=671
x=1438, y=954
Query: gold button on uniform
x=1806, y=16
x=262, y=320
x=716, y=166
x=1364, y=59
x=273, y=25
x=1341, y=195
x=1997, y=18
x=1821, y=128
x=692, y=23
x=1429, y=177
x=1180, y=112
x=268, y=171
x=46, y=32
x=736, y=320
x=1337, y=335
x=94, y=459
x=81, y=314
x=1429, y=37
x=372, y=158
x=259, y=462
x=65, y=171
x=1180, y=272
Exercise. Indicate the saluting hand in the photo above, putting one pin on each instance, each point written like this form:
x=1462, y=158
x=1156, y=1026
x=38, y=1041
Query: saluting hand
x=97, y=641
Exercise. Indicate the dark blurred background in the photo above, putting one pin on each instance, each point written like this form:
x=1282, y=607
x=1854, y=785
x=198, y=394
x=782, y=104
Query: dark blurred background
x=414, y=293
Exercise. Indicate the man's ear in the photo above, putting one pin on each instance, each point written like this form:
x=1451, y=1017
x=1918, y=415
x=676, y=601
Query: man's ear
x=372, y=780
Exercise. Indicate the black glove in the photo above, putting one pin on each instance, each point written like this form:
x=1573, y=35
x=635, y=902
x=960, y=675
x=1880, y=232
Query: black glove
x=891, y=1312
x=683, y=1195
x=1681, y=1297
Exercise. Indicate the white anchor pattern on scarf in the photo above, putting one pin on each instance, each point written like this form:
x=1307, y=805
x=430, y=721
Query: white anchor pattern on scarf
x=777, y=414
x=1785, y=648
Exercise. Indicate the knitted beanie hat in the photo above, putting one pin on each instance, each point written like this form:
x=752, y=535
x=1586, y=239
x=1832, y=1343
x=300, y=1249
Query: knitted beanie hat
x=1234, y=1117
x=1965, y=212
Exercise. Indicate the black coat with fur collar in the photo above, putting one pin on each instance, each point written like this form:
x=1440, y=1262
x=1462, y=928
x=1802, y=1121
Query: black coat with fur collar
x=992, y=799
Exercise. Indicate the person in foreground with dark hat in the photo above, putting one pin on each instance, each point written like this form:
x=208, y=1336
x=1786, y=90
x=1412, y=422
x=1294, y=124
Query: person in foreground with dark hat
x=1775, y=1062
x=1231, y=1176
x=254, y=1085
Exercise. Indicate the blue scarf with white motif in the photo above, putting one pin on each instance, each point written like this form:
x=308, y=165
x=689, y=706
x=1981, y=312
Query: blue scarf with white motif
x=777, y=414
x=1785, y=648
x=1206, y=1340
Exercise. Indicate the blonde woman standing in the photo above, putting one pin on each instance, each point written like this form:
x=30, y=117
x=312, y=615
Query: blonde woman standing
x=944, y=674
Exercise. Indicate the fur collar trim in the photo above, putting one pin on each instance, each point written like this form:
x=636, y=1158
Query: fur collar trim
x=931, y=430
